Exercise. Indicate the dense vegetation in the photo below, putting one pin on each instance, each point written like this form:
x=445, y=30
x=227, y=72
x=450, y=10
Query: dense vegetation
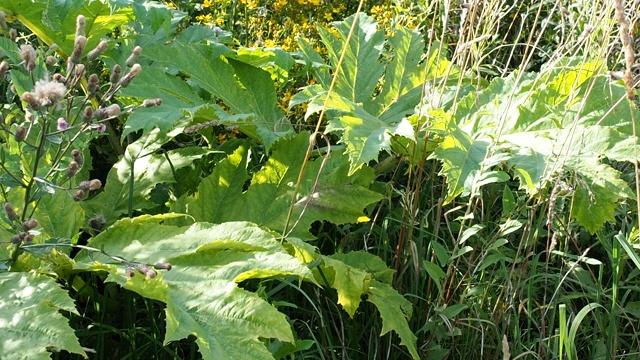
x=318, y=180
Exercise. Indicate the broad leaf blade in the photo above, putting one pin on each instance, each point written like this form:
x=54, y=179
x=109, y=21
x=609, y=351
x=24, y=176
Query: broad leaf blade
x=201, y=290
x=30, y=320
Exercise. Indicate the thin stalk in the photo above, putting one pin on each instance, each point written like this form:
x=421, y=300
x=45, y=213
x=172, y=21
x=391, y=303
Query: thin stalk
x=312, y=138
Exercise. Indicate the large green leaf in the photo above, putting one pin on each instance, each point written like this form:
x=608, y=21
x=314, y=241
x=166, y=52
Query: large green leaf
x=336, y=197
x=59, y=215
x=372, y=97
x=461, y=159
x=30, y=321
x=201, y=290
x=55, y=21
x=563, y=120
x=357, y=273
x=597, y=195
x=245, y=89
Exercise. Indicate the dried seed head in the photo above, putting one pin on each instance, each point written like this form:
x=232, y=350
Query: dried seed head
x=16, y=239
x=77, y=157
x=97, y=51
x=21, y=134
x=30, y=224
x=126, y=80
x=13, y=34
x=72, y=169
x=28, y=56
x=30, y=99
x=3, y=20
x=116, y=74
x=11, y=212
x=79, y=70
x=29, y=116
x=95, y=184
x=79, y=195
x=93, y=84
x=131, y=60
x=78, y=48
x=59, y=78
x=4, y=66
x=62, y=124
x=87, y=114
x=51, y=60
x=80, y=24
x=52, y=48
x=111, y=111
x=152, y=102
x=49, y=92
x=151, y=273
x=130, y=272
x=84, y=186
x=97, y=222
x=162, y=266
x=28, y=238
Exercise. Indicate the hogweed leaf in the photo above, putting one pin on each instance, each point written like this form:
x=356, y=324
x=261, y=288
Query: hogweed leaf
x=267, y=200
x=201, y=290
x=30, y=321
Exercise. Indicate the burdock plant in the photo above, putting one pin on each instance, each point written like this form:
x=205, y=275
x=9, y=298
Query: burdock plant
x=44, y=141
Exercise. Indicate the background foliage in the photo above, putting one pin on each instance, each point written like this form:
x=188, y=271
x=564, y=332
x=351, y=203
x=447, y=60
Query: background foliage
x=293, y=179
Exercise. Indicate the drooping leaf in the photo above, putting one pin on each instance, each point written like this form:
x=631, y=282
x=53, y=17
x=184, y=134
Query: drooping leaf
x=461, y=158
x=201, y=290
x=394, y=311
x=597, y=195
x=30, y=321
x=216, y=193
x=350, y=283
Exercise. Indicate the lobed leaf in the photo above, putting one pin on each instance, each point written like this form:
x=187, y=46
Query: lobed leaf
x=201, y=291
x=30, y=322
